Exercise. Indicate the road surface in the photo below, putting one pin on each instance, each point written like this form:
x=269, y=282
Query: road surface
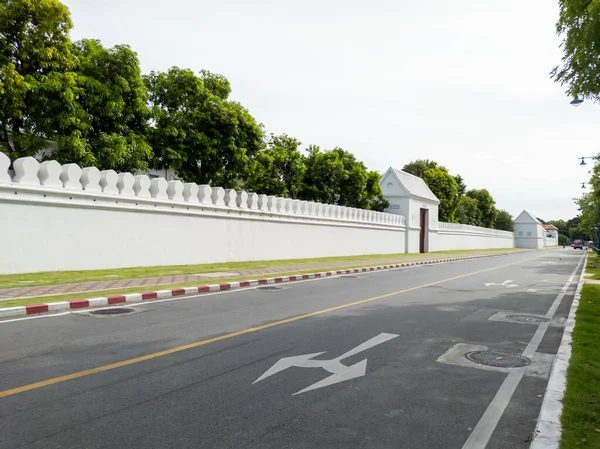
x=375, y=360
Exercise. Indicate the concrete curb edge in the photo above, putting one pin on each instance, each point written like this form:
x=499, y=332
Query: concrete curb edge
x=62, y=306
x=548, y=429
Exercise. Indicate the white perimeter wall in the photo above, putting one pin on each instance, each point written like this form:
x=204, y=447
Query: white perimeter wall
x=56, y=217
x=453, y=236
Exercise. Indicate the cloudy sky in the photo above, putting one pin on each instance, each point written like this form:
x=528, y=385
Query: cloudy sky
x=464, y=83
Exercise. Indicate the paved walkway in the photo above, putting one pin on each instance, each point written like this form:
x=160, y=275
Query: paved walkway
x=47, y=290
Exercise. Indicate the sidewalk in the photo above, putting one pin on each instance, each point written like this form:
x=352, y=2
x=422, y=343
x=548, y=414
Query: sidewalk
x=47, y=290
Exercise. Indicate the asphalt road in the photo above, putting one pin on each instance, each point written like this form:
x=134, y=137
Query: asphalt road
x=180, y=374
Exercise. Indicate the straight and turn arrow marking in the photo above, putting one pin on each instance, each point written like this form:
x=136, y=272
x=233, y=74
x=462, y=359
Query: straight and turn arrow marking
x=339, y=372
x=507, y=284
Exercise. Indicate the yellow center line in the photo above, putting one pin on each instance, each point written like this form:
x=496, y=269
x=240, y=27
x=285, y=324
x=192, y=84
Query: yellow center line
x=197, y=344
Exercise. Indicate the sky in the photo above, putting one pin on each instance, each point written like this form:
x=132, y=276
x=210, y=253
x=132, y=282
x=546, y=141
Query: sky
x=463, y=83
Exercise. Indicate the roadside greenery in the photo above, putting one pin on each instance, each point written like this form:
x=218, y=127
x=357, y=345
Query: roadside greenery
x=579, y=26
x=474, y=207
x=296, y=266
x=581, y=405
x=84, y=103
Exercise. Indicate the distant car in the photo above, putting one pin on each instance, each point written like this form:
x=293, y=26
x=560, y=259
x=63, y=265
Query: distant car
x=578, y=244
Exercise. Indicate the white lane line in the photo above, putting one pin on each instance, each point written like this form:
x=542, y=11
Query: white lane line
x=482, y=432
x=35, y=317
x=176, y=298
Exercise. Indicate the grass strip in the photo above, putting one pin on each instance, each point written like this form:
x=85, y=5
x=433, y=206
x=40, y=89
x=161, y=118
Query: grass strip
x=581, y=405
x=139, y=289
x=74, y=277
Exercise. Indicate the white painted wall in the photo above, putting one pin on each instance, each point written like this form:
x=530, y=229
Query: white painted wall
x=551, y=237
x=529, y=235
x=454, y=236
x=55, y=217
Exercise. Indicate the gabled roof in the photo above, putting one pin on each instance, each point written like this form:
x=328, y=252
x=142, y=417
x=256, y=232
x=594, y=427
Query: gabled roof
x=414, y=185
x=550, y=227
x=527, y=217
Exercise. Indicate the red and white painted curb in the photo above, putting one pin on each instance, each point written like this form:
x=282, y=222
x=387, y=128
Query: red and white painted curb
x=185, y=291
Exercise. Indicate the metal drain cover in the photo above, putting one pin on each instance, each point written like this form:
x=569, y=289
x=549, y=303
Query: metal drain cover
x=497, y=359
x=349, y=276
x=270, y=288
x=113, y=311
x=531, y=319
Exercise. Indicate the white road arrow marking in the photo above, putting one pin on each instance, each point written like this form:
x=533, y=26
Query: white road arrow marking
x=507, y=284
x=340, y=372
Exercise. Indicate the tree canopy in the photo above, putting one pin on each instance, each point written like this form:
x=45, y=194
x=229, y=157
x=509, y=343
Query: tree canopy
x=444, y=187
x=85, y=103
x=468, y=211
x=35, y=52
x=279, y=169
x=197, y=131
x=579, y=26
x=457, y=204
x=336, y=177
x=486, y=205
x=504, y=221
x=104, y=125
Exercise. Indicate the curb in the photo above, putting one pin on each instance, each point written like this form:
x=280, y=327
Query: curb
x=549, y=428
x=186, y=291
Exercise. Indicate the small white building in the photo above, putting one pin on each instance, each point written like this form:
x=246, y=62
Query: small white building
x=410, y=197
x=529, y=232
x=550, y=235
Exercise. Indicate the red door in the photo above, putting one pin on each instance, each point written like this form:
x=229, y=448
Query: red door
x=423, y=231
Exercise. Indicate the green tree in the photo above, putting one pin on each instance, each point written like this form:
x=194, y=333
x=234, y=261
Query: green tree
x=443, y=185
x=34, y=56
x=468, y=211
x=460, y=184
x=336, y=177
x=420, y=166
x=561, y=225
x=486, y=205
x=587, y=218
x=198, y=131
x=504, y=221
x=278, y=170
x=579, y=26
x=105, y=124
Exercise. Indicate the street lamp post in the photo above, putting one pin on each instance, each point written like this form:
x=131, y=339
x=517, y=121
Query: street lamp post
x=583, y=158
x=576, y=101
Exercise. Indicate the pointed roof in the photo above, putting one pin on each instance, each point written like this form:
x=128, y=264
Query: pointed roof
x=414, y=185
x=550, y=227
x=527, y=217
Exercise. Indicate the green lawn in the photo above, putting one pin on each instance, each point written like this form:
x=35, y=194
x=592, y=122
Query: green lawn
x=331, y=267
x=593, y=267
x=71, y=277
x=581, y=404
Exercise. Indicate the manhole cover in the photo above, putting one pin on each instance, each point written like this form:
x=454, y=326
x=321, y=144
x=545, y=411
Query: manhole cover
x=349, y=276
x=113, y=311
x=497, y=359
x=270, y=288
x=527, y=319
